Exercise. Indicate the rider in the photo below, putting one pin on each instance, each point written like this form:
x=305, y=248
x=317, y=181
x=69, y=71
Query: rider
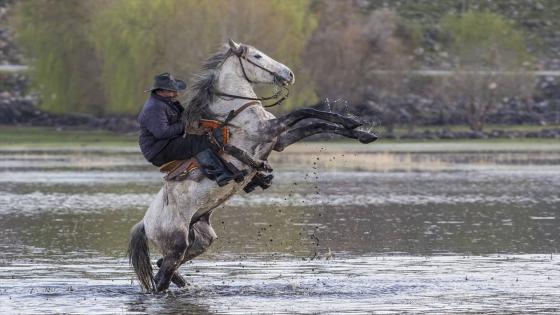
x=162, y=134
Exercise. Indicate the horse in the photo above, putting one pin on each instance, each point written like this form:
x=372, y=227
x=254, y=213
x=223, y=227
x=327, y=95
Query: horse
x=177, y=221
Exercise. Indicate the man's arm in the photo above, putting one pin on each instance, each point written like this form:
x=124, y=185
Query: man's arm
x=156, y=122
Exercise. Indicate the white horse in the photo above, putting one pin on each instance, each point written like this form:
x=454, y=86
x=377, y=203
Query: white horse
x=178, y=220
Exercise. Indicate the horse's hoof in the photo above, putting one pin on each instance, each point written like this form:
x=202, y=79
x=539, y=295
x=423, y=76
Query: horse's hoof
x=162, y=287
x=367, y=137
x=178, y=280
x=350, y=123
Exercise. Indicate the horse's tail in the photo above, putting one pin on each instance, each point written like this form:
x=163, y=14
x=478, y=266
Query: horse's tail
x=139, y=257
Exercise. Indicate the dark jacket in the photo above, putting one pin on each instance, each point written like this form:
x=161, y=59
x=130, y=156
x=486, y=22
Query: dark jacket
x=160, y=121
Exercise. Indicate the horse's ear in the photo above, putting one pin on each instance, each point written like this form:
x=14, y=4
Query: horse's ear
x=236, y=48
x=233, y=45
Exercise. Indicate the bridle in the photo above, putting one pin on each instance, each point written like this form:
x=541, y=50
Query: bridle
x=241, y=55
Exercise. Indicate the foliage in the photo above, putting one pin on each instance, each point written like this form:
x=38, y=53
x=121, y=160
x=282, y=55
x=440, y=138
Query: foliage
x=490, y=57
x=98, y=56
x=65, y=69
x=125, y=37
x=537, y=19
x=350, y=48
x=484, y=40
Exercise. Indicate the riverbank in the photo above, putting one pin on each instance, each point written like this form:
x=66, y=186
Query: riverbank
x=23, y=137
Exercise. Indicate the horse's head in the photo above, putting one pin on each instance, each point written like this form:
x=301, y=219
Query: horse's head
x=258, y=68
x=230, y=75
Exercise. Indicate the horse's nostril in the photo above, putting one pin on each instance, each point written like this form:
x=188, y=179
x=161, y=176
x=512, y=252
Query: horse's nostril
x=291, y=77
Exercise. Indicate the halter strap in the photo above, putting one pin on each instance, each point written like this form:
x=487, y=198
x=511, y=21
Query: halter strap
x=274, y=96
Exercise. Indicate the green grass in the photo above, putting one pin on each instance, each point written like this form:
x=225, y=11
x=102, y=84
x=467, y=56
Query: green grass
x=43, y=136
x=401, y=130
x=463, y=145
x=51, y=138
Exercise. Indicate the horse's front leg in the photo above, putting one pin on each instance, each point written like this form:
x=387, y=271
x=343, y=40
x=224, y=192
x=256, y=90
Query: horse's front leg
x=296, y=134
x=172, y=259
x=276, y=126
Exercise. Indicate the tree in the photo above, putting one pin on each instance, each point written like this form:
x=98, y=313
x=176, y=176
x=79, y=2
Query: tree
x=362, y=57
x=99, y=56
x=65, y=69
x=128, y=37
x=490, y=61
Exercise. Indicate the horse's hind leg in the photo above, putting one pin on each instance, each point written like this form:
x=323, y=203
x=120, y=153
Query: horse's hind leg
x=201, y=236
x=171, y=260
x=176, y=278
x=296, y=134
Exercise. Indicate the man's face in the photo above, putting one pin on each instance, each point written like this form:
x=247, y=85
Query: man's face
x=167, y=93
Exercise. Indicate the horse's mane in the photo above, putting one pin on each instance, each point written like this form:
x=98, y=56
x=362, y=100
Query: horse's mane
x=200, y=95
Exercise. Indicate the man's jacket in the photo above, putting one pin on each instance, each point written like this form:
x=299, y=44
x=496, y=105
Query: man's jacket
x=160, y=121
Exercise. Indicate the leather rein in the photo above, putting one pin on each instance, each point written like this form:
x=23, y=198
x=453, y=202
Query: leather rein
x=241, y=54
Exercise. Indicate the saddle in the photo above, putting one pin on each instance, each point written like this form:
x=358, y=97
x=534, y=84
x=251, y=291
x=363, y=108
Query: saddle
x=178, y=170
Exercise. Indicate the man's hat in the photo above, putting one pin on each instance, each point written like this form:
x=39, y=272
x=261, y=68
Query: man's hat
x=165, y=81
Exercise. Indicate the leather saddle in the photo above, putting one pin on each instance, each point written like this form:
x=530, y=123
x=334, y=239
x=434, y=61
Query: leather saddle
x=178, y=170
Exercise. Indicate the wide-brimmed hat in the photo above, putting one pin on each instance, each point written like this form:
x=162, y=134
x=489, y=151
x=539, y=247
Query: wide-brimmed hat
x=165, y=81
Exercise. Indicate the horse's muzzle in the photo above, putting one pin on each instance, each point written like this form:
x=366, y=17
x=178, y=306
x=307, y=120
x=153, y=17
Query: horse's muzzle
x=287, y=77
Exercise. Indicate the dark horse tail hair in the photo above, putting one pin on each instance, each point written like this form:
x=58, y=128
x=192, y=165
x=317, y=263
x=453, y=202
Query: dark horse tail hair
x=139, y=257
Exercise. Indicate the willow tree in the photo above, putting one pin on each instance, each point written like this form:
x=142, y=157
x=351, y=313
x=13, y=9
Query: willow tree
x=281, y=29
x=127, y=36
x=99, y=56
x=64, y=67
x=137, y=39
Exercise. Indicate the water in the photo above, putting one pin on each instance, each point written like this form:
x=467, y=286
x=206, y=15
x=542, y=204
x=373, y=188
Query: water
x=473, y=235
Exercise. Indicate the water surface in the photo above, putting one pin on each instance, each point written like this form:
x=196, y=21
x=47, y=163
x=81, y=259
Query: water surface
x=451, y=232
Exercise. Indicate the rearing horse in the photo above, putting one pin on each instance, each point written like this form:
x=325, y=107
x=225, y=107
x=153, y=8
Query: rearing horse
x=178, y=219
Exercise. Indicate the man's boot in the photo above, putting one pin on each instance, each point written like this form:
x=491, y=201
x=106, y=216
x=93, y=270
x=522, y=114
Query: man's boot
x=213, y=167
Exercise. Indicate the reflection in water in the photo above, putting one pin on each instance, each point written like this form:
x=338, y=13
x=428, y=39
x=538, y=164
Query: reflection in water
x=315, y=241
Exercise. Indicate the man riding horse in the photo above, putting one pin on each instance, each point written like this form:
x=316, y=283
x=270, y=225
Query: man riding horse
x=163, y=138
x=178, y=221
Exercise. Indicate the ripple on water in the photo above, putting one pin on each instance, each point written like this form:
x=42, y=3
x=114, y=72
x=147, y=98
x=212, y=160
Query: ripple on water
x=450, y=284
x=75, y=202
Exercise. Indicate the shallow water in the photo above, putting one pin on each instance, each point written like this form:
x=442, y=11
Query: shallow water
x=477, y=236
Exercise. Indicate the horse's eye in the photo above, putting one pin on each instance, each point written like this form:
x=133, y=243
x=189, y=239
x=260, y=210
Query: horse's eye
x=257, y=56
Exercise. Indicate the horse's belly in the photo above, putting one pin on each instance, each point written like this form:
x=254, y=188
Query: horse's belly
x=215, y=196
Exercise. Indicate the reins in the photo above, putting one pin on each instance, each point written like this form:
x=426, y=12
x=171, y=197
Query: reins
x=267, y=98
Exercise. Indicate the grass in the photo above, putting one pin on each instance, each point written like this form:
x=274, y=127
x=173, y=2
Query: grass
x=402, y=130
x=44, y=137
x=49, y=137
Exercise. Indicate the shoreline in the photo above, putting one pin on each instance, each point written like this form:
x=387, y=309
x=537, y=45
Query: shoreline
x=20, y=138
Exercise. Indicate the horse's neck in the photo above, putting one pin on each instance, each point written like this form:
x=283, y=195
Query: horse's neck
x=249, y=121
x=232, y=81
